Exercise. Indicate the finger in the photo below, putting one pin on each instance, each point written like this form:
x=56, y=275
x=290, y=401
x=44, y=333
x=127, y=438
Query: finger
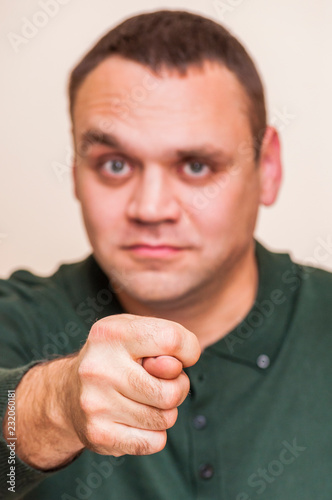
x=148, y=337
x=109, y=438
x=137, y=384
x=144, y=417
x=120, y=373
x=119, y=409
x=165, y=367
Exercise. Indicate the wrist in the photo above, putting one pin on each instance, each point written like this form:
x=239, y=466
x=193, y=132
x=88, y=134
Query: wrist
x=46, y=438
x=63, y=399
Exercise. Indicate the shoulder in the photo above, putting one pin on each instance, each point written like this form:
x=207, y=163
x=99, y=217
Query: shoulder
x=314, y=285
x=39, y=314
x=309, y=291
x=308, y=281
x=306, y=289
x=68, y=279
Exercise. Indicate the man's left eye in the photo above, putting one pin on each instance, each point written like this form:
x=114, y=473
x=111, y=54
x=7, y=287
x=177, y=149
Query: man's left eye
x=196, y=169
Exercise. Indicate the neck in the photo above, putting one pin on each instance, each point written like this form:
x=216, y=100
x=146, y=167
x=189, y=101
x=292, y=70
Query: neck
x=214, y=313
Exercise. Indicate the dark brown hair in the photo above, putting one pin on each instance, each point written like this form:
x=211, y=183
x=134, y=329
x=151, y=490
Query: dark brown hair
x=177, y=40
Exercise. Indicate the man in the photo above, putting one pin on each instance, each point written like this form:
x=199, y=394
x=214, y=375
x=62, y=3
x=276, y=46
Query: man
x=173, y=159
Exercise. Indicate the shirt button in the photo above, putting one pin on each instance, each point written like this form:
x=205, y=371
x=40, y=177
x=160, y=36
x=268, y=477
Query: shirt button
x=206, y=471
x=199, y=422
x=263, y=361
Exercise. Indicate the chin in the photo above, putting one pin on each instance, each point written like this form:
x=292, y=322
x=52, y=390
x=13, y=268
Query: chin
x=150, y=287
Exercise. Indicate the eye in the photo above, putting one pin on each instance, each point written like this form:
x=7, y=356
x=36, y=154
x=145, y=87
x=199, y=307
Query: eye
x=118, y=168
x=196, y=169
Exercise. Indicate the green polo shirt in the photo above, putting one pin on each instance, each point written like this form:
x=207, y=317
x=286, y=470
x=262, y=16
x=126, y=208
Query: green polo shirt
x=257, y=423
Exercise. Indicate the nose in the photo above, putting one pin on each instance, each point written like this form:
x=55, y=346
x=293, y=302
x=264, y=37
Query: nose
x=154, y=200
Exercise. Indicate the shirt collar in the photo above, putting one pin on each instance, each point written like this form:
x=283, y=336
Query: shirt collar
x=258, y=338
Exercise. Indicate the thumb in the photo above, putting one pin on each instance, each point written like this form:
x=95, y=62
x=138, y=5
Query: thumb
x=166, y=367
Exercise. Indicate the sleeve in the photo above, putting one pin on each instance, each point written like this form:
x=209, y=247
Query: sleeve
x=17, y=337
x=16, y=481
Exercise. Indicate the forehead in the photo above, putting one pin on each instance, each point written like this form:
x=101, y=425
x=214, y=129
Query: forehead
x=122, y=92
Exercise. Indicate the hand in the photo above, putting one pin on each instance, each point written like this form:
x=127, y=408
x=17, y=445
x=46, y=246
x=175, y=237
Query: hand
x=128, y=383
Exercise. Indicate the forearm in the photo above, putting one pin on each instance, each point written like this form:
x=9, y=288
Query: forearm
x=45, y=437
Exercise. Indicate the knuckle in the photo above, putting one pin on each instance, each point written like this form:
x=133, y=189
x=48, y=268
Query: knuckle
x=95, y=330
x=85, y=404
x=185, y=384
x=106, y=442
x=155, y=419
x=163, y=419
x=89, y=404
x=86, y=369
x=173, y=396
x=146, y=419
x=102, y=440
x=171, y=417
x=94, y=367
x=127, y=445
x=83, y=374
x=93, y=434
x=160, y=442
x=100, y=331
x=142, y=385
x=140, y=446
x=106, y=329
x=173, y=338
x=141, y=329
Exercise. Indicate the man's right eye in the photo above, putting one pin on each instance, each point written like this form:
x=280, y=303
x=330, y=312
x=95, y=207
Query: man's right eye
x=116, y=168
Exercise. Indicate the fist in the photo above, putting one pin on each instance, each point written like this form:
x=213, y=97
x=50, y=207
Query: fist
x=129, y=381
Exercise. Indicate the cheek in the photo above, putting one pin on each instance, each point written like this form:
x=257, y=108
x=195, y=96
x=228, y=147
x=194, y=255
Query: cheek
x=226, y=208
x=102, y=209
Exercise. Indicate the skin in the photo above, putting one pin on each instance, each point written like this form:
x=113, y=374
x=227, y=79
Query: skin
x=118, y=395
x=169, y=191
x=171, y=248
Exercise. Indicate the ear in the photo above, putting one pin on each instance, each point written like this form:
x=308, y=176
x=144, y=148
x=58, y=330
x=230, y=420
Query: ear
x=270, y=167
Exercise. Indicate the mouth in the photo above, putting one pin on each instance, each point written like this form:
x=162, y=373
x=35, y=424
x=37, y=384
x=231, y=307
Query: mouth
x=154, y=251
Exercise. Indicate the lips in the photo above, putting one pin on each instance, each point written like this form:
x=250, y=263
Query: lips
x=154, y=251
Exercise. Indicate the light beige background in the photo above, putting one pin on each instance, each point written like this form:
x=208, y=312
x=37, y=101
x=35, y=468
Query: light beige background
x=291, y=40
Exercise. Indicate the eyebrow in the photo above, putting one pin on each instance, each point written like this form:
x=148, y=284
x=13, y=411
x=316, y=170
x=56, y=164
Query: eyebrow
x=204, y=152
x=94, y=136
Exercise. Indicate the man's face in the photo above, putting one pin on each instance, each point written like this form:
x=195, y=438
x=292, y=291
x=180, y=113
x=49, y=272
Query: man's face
x=166, y=177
